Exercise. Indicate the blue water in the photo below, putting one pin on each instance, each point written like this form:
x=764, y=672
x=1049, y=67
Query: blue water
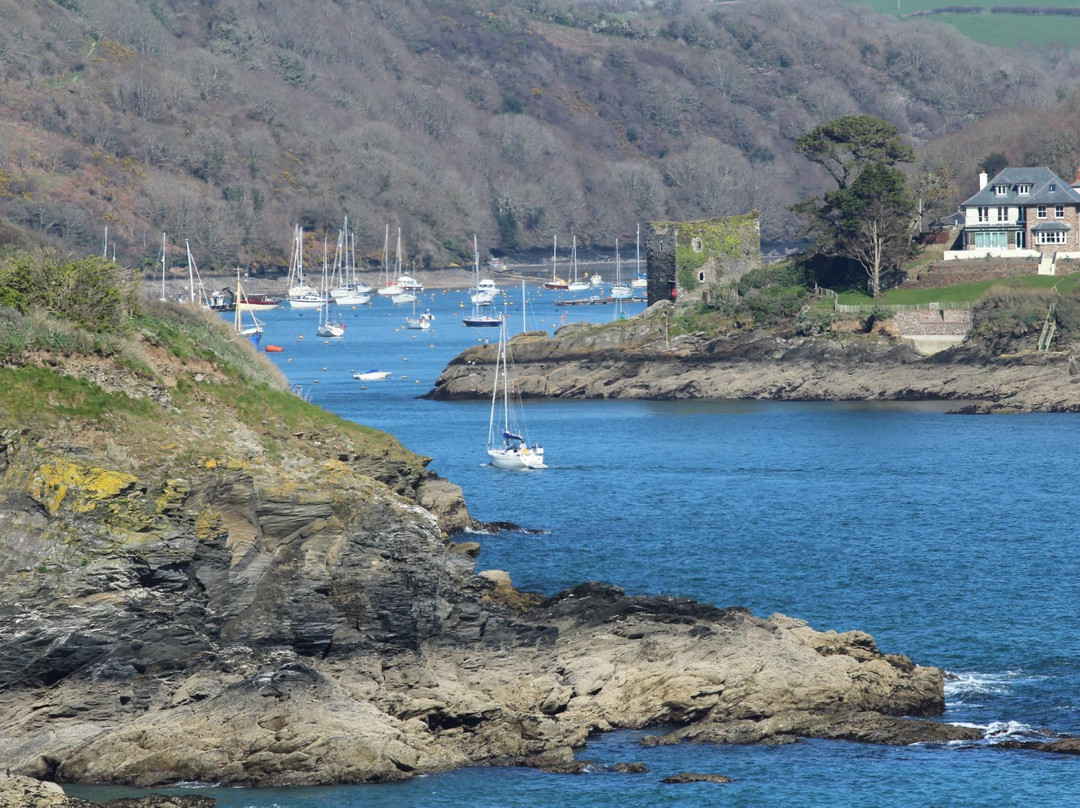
x=951, y=539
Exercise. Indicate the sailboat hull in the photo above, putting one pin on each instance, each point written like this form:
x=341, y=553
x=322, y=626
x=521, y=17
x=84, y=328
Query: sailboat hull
x=524, y=458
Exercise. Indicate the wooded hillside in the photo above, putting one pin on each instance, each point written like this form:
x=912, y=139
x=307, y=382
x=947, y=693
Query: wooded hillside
x=227, y=122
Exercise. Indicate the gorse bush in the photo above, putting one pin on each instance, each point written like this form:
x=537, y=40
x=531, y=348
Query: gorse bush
x=90, y=293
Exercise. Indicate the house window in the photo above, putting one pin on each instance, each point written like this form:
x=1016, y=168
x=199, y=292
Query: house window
x=701, y=277
x=1000, y=190
x=1059, y=211
x=1023, y=190
x=989, y=240
x=1040, y=212
x=696, y=245
x=1003, y=213
x=984, y=214
x=1052, y=188
x=1051, y=237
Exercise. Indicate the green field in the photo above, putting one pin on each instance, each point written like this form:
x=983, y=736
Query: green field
x=1009, y=30
x=964, y=293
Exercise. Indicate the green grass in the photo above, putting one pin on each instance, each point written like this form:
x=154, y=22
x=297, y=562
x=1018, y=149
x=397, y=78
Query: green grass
x=964, y=293
x=45, y=394
x=1008, y=30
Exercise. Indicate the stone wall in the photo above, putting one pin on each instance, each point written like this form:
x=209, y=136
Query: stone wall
x=700, y=256
x=935, y=323
x=950, y=273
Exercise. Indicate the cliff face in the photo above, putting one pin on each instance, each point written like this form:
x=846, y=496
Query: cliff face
x=638, y=358
x=203, y=579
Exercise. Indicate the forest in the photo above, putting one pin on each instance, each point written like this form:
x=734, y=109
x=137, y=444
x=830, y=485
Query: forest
x=226, y=123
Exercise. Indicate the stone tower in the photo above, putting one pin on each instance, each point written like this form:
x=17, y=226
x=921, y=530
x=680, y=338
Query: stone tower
x=700, y=256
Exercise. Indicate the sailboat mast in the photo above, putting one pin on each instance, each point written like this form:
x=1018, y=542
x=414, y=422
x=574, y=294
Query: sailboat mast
x=524, y=327
x=506, y=382
x=494, y=398
x=190, y=273
x=162, y=266
x=554, y=257
x=386, y=257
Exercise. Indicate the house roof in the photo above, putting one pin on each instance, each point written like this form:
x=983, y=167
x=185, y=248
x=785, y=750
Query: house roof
x=1047, y=227
x=1041, y=180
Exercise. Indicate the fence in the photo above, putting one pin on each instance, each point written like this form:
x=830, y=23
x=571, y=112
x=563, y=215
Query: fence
x=866, y=308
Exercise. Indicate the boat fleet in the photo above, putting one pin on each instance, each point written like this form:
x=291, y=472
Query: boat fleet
x=335, y=284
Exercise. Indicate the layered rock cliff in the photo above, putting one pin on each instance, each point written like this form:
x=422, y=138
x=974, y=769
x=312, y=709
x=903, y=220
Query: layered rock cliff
x=638, y=358
x=204, y=578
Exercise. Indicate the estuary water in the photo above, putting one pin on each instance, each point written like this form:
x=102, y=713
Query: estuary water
x=951, y=539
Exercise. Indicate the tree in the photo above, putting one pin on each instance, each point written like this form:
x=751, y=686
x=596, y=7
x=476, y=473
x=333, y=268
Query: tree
x=845, y=145
x=870, y=222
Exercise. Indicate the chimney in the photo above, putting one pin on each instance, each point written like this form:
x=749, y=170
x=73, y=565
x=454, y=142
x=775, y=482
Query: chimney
x=1076, y=177
x=982, y=179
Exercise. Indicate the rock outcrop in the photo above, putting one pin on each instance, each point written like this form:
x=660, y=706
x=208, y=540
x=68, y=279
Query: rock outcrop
x=637, y=359
x=214, y=582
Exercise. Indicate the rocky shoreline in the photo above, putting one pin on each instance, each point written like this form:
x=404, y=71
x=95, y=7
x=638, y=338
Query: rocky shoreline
x=186, y=595
x=637, y=359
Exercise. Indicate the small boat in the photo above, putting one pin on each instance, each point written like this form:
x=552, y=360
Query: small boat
x=556, y=283
x=403, y=297
x=273, y=349
x=576, y=284
x=258, y=303
x=619, y=290
x=346, y=290
x=419, y=322
x=477, y=319
x=372, y=375
x=300, y=294
x=327, y=327
x=254, y=331
x=508, y=445
x=639, y=281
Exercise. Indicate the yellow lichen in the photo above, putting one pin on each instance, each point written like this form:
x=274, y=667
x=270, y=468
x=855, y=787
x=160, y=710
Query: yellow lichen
x=87, y=485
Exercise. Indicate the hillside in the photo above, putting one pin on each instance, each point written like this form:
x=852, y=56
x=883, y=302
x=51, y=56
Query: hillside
x=226, y=123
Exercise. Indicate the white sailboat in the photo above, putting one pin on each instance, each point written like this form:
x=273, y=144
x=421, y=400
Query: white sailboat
x=345, y=289
x=508, y=442
x=254, y=331
x=619, y=290
x=477, y=319
x=300, y=294
x=556, y=283
x=576, y=284
x=639, y=281
x=327, y=327
x=391, y=287
x=419, y=322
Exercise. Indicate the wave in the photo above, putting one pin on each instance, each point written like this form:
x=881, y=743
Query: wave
x=960, y=688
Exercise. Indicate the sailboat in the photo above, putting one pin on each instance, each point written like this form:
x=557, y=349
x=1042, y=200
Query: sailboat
x=327, y=327
x=348, y=291
x=254, y=331
x=619, y=290
x=639, y=281
x=300, y=294
x=576, y=285
x=508, y=442
x=419, y=322
x=389, y=287
x=478, y=319
x=406, y=286
x=556, y=283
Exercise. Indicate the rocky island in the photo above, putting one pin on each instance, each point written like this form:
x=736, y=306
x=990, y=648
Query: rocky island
x=204, y=578
x=647, y=357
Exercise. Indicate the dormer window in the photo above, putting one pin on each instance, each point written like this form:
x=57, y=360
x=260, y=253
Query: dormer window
x=1023, y=190
x=1001, y=190
x=1052, y=188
